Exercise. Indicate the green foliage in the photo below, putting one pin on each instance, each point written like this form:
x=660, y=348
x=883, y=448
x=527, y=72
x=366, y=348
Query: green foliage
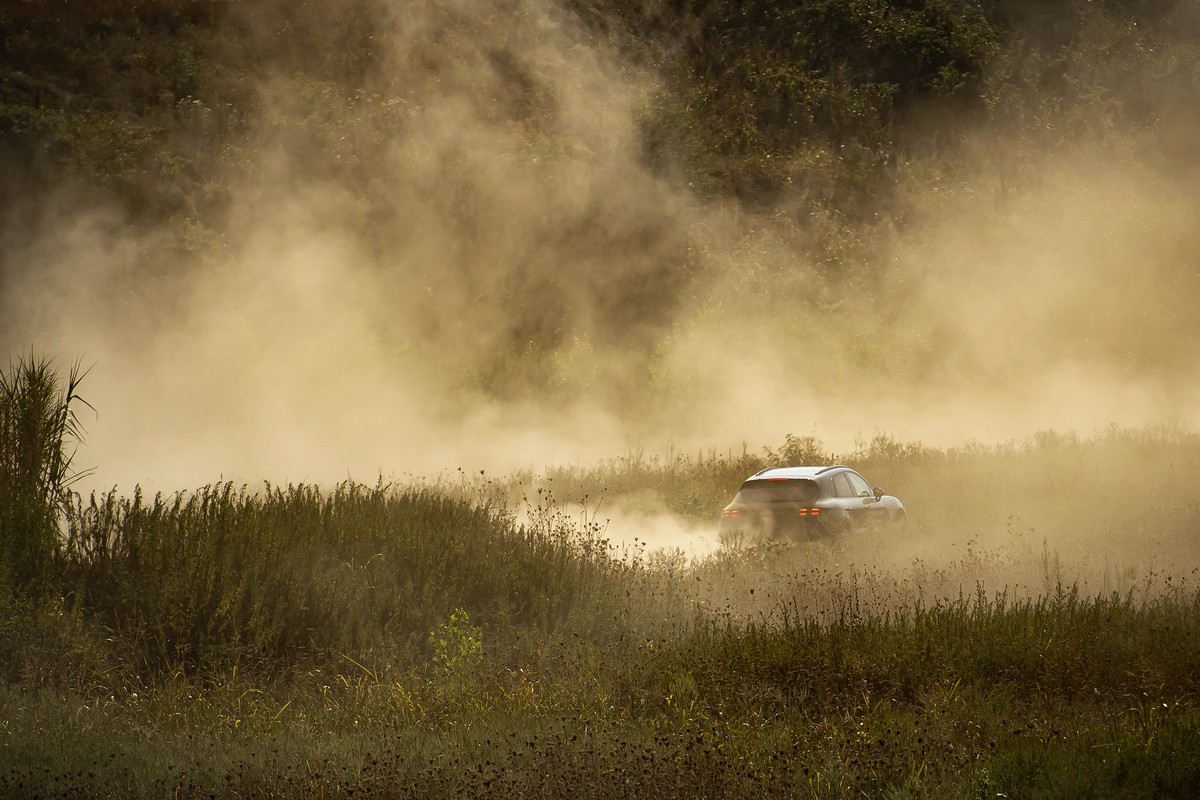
x=38, y=431
x=1060, y=645
x=246, y=577
x=837, y=122
x=155, y=100
x=1116, y=763
x=868, y=705
x=457, y=644
x=820, y=109
x=766, y=85
x=52, y=643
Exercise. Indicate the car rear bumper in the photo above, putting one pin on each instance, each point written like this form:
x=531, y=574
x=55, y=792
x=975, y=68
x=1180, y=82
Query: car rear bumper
x=763, y=527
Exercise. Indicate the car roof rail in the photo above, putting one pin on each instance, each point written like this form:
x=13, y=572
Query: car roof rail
x=761, y=471
x=832, y=466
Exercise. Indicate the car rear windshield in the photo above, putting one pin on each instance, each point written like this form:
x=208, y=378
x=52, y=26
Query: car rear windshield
x=798, y=490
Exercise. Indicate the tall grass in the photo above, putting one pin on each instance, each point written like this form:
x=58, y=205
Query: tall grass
x=225, y=576
x=1064, y=645
x=984, y=697
x=38, y=433
x=1117, y=486
x=441, y=640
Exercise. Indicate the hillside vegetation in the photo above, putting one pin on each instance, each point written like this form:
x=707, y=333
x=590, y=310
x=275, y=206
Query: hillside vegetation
x=803, y=105
x=442, y=147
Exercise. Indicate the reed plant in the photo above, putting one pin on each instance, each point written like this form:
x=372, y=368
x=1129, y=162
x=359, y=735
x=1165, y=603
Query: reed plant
x=39, y=429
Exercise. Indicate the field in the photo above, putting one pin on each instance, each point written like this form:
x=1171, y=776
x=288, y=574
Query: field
x=1032, y=632
x=308, y=244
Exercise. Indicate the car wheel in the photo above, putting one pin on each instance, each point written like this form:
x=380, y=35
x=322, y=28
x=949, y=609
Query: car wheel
x=833, y=525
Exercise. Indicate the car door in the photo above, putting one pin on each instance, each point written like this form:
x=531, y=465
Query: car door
x=868, y=508
x=847, y=498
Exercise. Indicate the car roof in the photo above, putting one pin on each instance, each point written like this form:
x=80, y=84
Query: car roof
x=793, y=472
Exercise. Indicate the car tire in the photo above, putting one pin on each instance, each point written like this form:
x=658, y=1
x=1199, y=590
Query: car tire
x=833, y=526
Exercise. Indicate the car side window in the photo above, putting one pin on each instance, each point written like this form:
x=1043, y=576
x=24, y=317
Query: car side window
x=841, y=486
x=861, y=488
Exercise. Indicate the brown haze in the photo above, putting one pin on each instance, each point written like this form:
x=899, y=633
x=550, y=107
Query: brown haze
x=471, y=265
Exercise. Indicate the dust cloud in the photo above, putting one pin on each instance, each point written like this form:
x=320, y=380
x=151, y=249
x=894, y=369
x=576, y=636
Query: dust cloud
x=470, y=263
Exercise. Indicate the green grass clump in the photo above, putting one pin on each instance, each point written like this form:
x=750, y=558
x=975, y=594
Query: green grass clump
x=244, y=577
x=38, y=429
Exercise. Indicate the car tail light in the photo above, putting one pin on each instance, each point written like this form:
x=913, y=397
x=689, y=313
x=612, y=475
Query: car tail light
x=729, y=512
x=810, y=512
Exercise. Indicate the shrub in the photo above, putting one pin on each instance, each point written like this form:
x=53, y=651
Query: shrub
x=457, y=644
